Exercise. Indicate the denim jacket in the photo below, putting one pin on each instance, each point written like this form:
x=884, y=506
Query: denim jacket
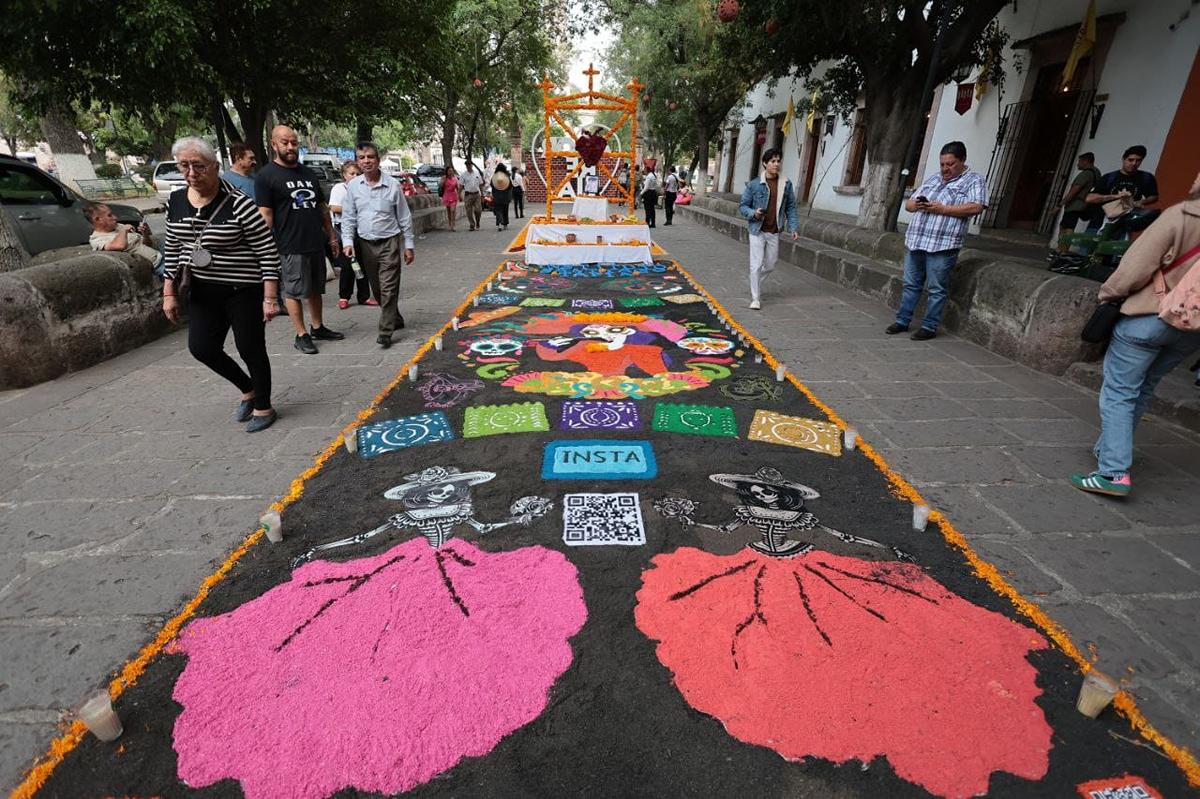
x=757, y=194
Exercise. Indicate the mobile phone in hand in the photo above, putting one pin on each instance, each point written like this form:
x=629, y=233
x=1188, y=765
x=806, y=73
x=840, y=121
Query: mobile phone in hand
x=922, y=199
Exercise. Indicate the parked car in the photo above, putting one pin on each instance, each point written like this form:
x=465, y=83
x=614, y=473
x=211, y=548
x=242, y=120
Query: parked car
x=47, y=214
x=430, y=174
x=167, y=178
x=412, y=185
x=327, y=176
x=321, y=159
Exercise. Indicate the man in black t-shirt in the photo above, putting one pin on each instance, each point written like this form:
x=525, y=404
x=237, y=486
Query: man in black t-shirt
x=290, y=199
x=1129, y=181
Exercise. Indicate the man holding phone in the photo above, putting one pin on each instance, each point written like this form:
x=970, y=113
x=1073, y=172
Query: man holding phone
x=941, y=207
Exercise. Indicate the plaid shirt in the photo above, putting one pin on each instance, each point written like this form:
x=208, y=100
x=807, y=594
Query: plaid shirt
x=937, y=232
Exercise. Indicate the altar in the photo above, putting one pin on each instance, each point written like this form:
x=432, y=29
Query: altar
x=590, y=233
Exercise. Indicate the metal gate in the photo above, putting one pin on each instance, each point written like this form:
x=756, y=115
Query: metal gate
x=1004, y=161
x=1066, y=159
x=1007, y=156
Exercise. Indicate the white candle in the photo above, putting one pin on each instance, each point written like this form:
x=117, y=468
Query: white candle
x=273, y=525
x=1095, y=694
x=412, y=373
x=98, y=714
x=351, y=440
x=454, y=322
x=758, y=357
x=438, y=344
x=780, y=371
x=920, y=516
x=850, y=437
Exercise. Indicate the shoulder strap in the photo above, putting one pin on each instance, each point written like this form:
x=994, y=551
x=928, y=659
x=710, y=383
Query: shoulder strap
x=1160, y=280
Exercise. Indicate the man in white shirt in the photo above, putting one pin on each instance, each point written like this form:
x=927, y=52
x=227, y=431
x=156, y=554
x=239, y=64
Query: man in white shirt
x=670, y=192
x=472, y=185
x=649, y=195
x=518, y=184
x=376, y=223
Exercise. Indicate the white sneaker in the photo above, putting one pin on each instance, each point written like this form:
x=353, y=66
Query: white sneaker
x=755, y=305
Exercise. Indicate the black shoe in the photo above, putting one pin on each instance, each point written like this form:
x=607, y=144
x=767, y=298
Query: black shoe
x=325, y=334
x=384, y=341
x=894, y=328
x=399, y=321
x=305, y=344
x=245, y=410
x=924, y=334
x=261, y=422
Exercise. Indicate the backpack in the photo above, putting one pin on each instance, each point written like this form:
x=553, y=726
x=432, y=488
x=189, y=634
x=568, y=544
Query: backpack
x=1180, y=307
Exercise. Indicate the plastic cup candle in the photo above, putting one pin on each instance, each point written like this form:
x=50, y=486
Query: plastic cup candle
x=780, y=371
x=438, y=343
x=1096, y=693
x=272, y=525
x=850, y=438
x=920, y=516
x=454, y=322
x=351, y=440
x=412, y=373
x=758, y=357
x=98, y=714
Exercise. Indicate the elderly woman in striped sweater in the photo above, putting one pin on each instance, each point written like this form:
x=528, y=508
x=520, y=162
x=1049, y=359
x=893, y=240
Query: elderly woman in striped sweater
x=216, y=233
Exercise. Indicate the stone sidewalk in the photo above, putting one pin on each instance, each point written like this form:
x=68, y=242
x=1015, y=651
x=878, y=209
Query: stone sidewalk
x=991, y=444
x=122, y=485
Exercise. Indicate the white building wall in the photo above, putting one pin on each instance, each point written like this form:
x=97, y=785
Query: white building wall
x=1143, y=73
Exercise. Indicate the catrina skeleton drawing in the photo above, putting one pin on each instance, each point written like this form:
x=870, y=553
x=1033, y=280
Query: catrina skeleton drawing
x=384, y=656
x=744, y=634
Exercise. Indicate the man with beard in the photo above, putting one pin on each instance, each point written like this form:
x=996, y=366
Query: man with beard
x=289, y=197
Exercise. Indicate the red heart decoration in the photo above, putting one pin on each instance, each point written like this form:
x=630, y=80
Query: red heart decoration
x=591, y=148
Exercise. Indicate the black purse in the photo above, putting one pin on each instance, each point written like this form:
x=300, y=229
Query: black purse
x=1099, y=327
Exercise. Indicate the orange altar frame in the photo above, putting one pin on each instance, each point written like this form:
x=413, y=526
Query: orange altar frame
x=591, y=100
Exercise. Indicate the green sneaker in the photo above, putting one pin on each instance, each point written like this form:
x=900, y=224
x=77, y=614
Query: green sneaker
x=1096, y=483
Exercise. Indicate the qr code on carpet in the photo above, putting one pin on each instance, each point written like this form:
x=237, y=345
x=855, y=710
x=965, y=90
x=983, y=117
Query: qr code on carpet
x=602, y=519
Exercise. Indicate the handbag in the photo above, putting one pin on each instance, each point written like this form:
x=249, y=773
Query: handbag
x=183, y=272
x=1117, y=207
x=1100, y=325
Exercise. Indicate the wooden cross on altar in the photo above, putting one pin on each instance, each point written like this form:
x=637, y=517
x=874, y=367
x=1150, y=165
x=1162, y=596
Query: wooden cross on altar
x=591, y=72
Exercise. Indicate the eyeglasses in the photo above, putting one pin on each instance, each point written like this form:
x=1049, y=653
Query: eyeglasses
x=199, y=167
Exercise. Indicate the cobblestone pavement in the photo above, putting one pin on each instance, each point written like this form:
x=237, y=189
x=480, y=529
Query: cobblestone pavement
x=991, y=443
x=121, y=485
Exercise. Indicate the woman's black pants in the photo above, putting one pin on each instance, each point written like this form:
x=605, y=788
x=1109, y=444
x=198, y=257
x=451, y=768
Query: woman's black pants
x=214, y=309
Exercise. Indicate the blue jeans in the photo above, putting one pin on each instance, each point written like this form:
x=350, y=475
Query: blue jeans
x=1143, y=350
x=929, y=270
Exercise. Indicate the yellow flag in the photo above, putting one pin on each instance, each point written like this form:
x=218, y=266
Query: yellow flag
x=786, y=127
x=1085, y=39
x=811, y=119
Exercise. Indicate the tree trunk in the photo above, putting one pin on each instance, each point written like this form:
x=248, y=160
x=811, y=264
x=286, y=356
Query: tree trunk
x=450, y=128
x=230, y=129
x=219, y=126
x=10, y=142
x=891, y=117
x=254, y=119
x=701, y=179
x=58, y=126
x=363, y=130
x=12, y=253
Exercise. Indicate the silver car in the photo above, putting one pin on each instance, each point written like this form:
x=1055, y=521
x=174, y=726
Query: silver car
x=46, y=214
x=167, y=178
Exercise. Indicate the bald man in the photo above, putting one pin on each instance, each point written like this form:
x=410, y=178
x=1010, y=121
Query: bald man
x=290, y=199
